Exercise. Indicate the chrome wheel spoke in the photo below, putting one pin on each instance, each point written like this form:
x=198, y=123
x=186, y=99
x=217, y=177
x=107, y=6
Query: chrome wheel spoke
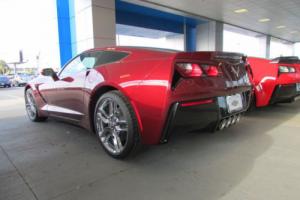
x=106, y=138
x=30, y=105
x=120, y=128
x=122, y=122
x=112, y=108
x=111, y=126
x=102, y=109
x=117, y=143
x=104, y=131
x=102, y=117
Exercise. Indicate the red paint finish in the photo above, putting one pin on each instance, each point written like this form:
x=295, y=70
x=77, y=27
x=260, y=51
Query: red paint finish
x=266, y=77
x=147, y=78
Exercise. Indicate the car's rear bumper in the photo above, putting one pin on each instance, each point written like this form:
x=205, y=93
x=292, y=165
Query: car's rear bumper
x=284, y=93
x=208, y=116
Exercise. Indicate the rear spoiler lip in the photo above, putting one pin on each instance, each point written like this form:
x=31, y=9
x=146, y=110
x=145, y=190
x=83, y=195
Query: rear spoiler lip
x=286, y=60
x=212, y=55
x=229, y=56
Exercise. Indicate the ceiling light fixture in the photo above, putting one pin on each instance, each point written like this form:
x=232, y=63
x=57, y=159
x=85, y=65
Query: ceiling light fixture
x=242, y=10
x=280, y=27
x=264, y=20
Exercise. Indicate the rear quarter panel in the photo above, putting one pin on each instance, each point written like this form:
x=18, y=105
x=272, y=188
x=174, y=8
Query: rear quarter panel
x=145, y=83
x=265, y=76
x=35, y=85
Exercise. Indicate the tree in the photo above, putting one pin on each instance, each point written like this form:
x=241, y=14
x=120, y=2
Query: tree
x=3, y=67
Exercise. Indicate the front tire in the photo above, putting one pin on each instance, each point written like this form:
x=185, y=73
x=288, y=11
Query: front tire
x=31, y=107
x=116, y=125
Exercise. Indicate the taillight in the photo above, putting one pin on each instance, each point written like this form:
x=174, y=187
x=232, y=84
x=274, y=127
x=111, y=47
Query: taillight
x=286, y=69
x=211, y=70
x=189, y=69
x=196, y=70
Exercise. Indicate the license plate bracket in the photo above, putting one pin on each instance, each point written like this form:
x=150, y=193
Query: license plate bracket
x=234, y=103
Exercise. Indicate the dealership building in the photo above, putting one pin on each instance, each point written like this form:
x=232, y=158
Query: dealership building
x=190, y=26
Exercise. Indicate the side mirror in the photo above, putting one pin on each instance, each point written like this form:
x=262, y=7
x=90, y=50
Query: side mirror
x=49, y=72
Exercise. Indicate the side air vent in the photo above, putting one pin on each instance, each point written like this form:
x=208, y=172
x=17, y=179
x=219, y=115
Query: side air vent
x=175, y=80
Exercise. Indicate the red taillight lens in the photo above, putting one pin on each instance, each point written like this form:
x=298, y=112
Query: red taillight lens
x=211, y=70
x=189, y=69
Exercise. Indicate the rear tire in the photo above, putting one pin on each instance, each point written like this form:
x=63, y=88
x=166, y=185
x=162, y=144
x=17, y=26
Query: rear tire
x=252, y=105
x=116, y=125
x=31, y=107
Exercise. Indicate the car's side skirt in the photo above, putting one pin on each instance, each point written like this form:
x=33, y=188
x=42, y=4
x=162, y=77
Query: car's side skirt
x=61, y=112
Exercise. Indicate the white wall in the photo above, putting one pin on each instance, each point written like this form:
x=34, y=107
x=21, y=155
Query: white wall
x=297, y=49
x=138, y=36
x=174, y=42
x=249, y=44
x=280, y=48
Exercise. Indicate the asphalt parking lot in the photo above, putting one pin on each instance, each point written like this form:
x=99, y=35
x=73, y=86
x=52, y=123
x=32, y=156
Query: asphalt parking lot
x=256, y=159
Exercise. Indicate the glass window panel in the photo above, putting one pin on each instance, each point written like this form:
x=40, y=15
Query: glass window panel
x=244, y=41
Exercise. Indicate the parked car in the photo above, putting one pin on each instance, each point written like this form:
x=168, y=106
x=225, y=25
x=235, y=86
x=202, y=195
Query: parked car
x=276, y=81
x=129, y=96
x=20, y=80
x=10, y=76
x=4, y=81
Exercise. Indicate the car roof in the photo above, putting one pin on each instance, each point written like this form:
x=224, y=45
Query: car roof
x=135, y=49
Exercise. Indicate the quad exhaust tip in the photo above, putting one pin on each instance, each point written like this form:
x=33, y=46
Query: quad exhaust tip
x=222, y=124
x=227, y=122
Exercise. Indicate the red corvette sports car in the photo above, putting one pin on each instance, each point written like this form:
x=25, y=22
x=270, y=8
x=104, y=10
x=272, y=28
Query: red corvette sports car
x=276, y=81
x=130, y=96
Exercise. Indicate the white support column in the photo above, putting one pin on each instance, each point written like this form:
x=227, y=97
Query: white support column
x=219, y=36
x=297, y=49
x=94, y=24
x=210, y=36
x=268, y=46
x=104, y=23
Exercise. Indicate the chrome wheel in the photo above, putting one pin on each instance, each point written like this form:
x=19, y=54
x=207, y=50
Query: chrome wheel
x=111, y=125
x=30, y=105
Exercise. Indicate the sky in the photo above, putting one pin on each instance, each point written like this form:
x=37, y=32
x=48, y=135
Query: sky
x=30, y=26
